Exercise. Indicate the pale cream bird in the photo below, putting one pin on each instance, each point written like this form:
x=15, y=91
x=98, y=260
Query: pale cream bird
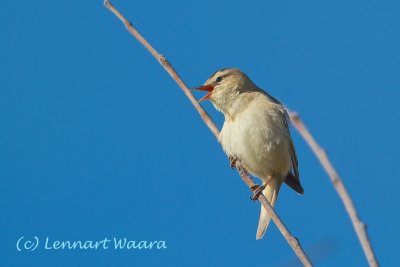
x=256, y=132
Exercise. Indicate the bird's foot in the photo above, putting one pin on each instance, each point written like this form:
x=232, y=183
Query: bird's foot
x=257, y=190
x=232, y=161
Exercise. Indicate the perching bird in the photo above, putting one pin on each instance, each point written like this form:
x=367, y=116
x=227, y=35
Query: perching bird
x=256, y=132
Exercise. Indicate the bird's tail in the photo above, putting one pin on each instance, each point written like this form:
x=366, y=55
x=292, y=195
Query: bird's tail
x=271, y=192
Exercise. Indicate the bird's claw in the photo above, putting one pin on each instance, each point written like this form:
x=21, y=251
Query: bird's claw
x=232, y=161
x=257, y=190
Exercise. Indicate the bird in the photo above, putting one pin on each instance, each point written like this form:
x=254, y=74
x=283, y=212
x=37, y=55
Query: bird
x=256, y=132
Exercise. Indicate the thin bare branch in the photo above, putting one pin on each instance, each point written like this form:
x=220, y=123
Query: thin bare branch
x=337, y=182
x=167, y=66
x=293, y=241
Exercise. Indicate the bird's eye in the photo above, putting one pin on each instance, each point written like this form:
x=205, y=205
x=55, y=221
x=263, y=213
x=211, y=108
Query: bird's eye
x=218, y=79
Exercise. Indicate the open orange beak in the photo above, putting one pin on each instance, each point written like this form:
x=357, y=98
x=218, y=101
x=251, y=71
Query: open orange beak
x=207, y=88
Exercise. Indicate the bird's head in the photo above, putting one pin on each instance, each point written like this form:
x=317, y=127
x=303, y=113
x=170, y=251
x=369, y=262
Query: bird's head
x=224, y=86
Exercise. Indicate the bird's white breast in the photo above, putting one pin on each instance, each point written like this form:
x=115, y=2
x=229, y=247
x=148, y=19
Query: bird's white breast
x=259, y=138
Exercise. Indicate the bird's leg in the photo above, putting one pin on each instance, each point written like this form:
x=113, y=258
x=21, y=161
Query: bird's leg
x=257, y=189
x=232, y=160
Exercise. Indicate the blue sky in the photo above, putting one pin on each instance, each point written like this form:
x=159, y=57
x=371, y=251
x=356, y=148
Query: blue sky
x=98, y=142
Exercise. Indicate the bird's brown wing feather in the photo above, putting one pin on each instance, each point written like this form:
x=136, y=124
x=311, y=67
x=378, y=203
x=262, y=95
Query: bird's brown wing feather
x=293, y=183
x=293, y=180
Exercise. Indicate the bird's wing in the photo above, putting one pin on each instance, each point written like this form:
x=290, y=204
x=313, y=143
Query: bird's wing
x=295, y=163
x=293, y=179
